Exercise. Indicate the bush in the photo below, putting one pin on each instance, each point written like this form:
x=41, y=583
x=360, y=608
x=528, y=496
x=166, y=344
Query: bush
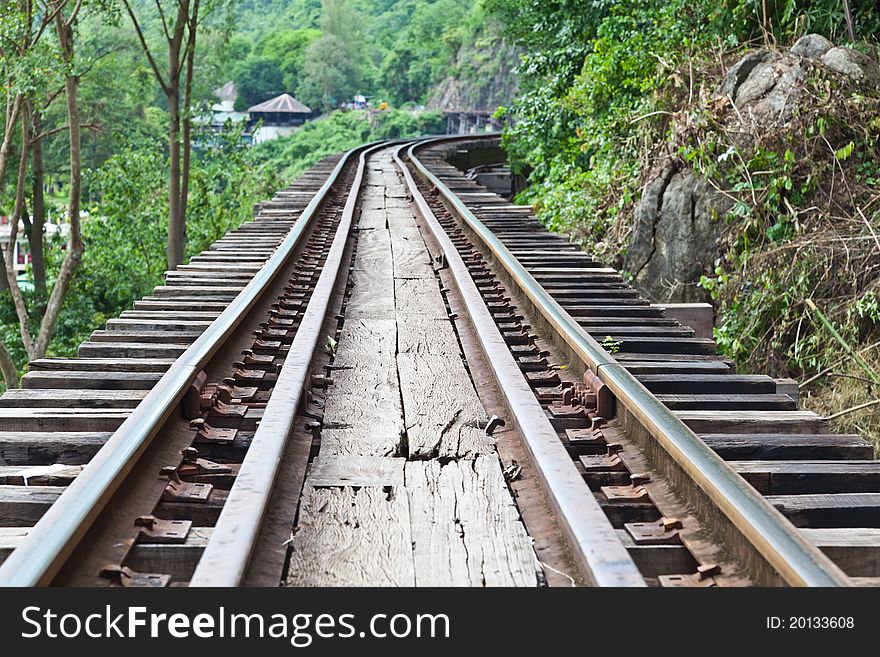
x=341, y=131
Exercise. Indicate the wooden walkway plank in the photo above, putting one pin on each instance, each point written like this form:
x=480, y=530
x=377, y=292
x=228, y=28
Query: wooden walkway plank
x=466, y=530
x=70, y=447
x=418, y=297
x=443, y=515
x=358, y=471
x=443, y=416
x=857, y=551
x=362, y=412
x=352, y=537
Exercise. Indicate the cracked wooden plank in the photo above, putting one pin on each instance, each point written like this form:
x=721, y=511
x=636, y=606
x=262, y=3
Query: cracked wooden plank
x=362, y=413
x=442, y=414
x=466, y=530
x=418, y=297
x=427, y=335
x=411, y=259
x=356, y=524
x=370, y=295
x=352, y=537
x=356, y=471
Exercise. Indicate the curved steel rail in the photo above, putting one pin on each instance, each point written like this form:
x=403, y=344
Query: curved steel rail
x=597, y=551
x=797, y=562
x=226, y=557
x=43, y=551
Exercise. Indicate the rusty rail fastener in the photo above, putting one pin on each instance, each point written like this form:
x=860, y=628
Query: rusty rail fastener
x=493, y=423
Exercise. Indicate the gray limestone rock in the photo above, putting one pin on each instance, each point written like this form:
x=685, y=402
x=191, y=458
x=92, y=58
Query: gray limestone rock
x=811, y=46
x=678, y=222
x=852, y=63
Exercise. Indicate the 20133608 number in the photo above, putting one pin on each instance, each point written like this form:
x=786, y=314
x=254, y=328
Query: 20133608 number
x=811, y=623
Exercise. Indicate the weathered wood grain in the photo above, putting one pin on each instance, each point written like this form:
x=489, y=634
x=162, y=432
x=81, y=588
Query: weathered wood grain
x=23, y=506
x=466, y=531
x=753, y=421
x=401, y=222
x=39, y=475
x=419, y=297
x=71, y=398
x=362, y=412
x=427, y=335
x=61, y=419
x=371, y=294
x=356, y=471
x=765, y=446
x=372, y=217
x=78, y=380
x=31, y=448
x=443, y=515
x=352, y=537
x=797, y=477
x=442, y=413
x=376, y=334
x=176, y=559
x=855, y=550
x=411, y=260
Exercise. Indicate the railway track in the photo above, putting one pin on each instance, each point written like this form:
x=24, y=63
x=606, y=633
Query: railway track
x=392, y=360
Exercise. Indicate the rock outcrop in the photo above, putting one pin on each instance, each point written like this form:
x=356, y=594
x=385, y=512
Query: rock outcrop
x=481, y=79
x=678, y=221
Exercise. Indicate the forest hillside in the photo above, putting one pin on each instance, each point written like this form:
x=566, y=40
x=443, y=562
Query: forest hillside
x=153, y=178
x=723, y=152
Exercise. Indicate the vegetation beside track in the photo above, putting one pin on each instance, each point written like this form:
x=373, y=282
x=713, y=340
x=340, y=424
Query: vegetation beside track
x=403, y=52
x=609, y=89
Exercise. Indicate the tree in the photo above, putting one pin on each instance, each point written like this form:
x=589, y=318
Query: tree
x=422, y=52
x=176, y=83
x=257, y=79
x=28, y=64
x=288, y=49
x=333, y=62
x=34, y=225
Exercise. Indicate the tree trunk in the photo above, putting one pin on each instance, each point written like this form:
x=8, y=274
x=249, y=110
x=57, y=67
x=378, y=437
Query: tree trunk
x=7, y=367
x=187, y=118
x=174, y=249
x=74, y=241
x=178, y=168
x=21, y=309
x=13, y=107
x=176, y=213
x=38, y=221
x=4, y=284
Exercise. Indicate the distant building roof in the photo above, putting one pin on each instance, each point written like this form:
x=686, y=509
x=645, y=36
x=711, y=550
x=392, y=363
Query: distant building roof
x=226, y=92
x=283, y=103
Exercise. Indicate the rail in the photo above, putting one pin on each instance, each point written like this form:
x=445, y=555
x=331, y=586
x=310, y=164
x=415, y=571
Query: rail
x=43, y=551
x=776, y=540
x=226, y=557
x=598, y=553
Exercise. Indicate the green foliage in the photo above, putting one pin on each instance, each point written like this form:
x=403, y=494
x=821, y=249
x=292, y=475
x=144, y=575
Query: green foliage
x=257, y=79
x=272, y=66
x=224, y=185
x=594, y=84
x=125, y=232
x=340, y=131
x=607, y=86
x=420, y=54
x=611, y=345
x=800, y=223
x=395, y=50
x=332, y=73
x=322, y=51
x=125, y=235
